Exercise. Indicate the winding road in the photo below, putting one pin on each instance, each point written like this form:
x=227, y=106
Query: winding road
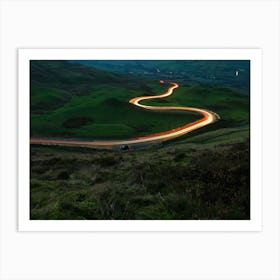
x=208, y=117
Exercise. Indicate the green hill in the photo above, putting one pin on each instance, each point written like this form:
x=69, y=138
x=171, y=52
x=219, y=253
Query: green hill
x=73, y=100
x=78, y=101
x=219, y=73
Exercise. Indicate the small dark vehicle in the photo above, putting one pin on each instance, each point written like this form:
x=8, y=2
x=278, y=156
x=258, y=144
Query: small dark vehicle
x=124, y=148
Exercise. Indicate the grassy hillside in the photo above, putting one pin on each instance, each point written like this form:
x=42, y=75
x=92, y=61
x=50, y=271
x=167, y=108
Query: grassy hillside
x=183, y=181
x=232, y=107
x=72, y=100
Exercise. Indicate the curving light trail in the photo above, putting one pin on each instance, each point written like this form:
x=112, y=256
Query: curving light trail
x=208, y=118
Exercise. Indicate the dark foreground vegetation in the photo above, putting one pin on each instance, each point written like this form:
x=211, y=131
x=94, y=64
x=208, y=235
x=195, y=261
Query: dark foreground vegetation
x=182, y=181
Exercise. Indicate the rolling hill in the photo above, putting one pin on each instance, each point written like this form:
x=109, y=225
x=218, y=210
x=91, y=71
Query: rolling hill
x=72, y=100
x=79, y=101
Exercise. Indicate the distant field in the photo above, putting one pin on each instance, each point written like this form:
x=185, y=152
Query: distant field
x=93, y=108
x=232, y=107
x=104, y=112
x=187, y=72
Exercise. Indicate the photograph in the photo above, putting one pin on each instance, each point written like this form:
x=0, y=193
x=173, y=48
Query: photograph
x=139, y=139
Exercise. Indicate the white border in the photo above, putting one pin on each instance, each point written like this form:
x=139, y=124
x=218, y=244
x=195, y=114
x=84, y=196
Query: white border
x=254, y=55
